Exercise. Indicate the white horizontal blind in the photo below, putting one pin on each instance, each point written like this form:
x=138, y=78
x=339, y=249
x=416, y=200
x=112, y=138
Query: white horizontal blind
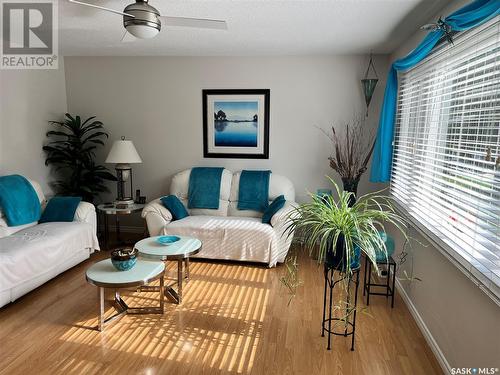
x=446, y=166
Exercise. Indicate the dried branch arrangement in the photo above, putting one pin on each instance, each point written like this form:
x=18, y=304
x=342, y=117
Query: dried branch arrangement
x=351, y=150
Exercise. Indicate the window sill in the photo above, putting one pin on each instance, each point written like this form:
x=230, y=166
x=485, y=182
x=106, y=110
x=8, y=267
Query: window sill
x=483, y=280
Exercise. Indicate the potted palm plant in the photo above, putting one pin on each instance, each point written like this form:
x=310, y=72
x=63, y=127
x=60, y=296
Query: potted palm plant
x=71, y=152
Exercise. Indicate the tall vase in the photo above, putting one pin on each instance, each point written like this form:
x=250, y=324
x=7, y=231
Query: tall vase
x=351, y=185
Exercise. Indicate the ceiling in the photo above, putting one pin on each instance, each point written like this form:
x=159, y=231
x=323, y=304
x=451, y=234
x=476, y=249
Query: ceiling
x=266, y=27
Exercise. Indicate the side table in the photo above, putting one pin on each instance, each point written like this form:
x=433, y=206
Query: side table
x=179, y=251
x=105, y=210
x=103, y=275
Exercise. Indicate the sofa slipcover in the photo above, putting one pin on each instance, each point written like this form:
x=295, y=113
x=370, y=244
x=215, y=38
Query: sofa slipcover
x=32, y=254
x=228, y=233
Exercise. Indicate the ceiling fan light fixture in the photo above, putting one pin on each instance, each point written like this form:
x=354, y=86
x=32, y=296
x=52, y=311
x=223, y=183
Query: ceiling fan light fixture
x=142, y=31
x=144, y=20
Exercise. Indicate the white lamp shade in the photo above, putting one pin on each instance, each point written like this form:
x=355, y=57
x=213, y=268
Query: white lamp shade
x=123, y=152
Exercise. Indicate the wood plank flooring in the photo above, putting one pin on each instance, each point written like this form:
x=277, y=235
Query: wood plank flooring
x=235, y=319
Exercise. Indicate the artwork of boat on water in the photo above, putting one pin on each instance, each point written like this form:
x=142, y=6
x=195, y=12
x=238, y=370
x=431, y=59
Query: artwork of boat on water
x=236, y=123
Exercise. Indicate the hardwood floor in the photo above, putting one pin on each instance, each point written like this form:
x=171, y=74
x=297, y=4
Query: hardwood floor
x=235, y=319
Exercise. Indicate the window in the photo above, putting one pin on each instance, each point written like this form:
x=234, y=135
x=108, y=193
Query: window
x=446, y=167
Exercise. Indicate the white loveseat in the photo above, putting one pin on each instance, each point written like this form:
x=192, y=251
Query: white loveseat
x=32, y=254
x=228, y=233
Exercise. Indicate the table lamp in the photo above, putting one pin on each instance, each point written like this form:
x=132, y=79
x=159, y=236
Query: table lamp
x=123, y=153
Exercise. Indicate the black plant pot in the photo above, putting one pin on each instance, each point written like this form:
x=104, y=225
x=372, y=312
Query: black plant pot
x=336, y=259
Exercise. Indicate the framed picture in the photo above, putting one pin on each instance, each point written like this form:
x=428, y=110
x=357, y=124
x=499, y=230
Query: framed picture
x=236, y=124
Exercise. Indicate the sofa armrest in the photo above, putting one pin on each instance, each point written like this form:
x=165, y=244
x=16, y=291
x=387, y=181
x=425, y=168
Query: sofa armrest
x=280, y=223
x=282, y=217
x=157, y=217
x=85, y=213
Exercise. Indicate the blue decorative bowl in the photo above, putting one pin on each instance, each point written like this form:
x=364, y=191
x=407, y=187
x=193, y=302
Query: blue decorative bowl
x=167, y=240
x=124, y=259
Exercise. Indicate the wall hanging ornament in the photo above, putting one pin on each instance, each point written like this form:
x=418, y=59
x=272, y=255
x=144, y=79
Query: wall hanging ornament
x=369, y=83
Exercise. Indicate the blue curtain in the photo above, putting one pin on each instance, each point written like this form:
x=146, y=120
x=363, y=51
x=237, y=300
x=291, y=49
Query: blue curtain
x=471, y=15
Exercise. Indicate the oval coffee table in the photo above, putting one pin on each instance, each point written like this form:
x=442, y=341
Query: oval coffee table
x=104, y=275
x=180, y=251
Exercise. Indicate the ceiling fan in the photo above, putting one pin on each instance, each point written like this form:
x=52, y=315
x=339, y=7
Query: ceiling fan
x=144, y=21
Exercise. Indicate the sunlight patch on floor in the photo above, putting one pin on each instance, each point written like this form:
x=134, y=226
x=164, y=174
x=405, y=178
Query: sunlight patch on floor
x=218, y=325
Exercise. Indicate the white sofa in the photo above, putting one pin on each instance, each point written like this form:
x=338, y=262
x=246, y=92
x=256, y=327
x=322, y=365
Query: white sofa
x=32, y=254
x=228, y=233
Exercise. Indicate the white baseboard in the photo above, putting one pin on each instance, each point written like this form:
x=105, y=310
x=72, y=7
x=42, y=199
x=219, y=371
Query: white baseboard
x=443, y=362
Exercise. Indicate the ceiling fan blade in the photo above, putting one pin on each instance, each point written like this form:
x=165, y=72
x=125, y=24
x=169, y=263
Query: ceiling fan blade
x=127, y=37
x=201, y=23
x=100, y=7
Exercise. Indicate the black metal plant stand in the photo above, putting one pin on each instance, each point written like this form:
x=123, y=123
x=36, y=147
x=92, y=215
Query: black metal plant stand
x=349, y=322
x=389, y=286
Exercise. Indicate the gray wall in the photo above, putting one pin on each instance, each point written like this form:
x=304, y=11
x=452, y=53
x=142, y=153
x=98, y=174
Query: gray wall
x=28, y=100
x=463, y=321
x=157, y=103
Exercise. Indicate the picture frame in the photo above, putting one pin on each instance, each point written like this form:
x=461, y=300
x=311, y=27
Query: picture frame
x=236, y=123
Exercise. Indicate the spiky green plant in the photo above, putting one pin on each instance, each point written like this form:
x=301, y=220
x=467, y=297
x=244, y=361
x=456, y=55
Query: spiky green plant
x=345, y=218
x=326, y=218
x=290, y=278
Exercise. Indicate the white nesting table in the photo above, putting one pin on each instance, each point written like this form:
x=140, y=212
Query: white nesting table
x=179, y=251
x=103, y=275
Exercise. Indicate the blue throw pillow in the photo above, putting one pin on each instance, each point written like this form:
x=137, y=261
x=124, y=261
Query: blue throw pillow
x=274, y=207
x=60, y=209
x=175, y=206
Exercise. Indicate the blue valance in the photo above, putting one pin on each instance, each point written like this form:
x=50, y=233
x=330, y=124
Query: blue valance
x=471, y=15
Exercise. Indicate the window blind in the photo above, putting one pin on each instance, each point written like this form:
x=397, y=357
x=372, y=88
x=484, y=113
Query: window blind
x=446, y=165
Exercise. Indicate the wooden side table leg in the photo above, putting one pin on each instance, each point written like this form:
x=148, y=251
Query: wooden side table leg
x=100, y=317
